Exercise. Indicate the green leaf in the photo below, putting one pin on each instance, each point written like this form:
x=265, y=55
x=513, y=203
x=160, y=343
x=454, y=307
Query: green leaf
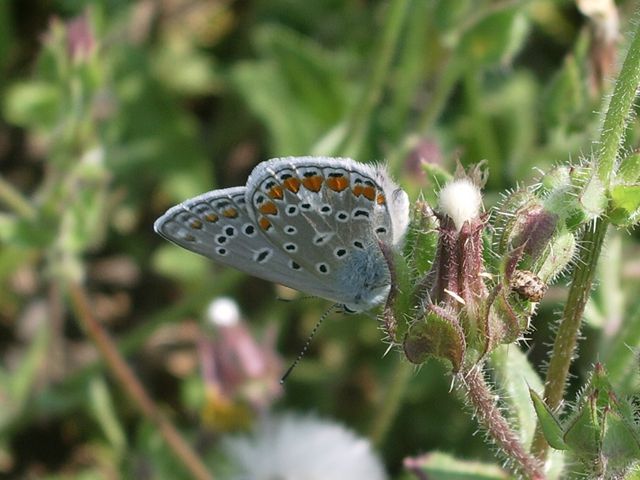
x=34, y=104
x=566, y=95
x=625, y=204
x=594, y=198
x=422, y=239
x=310, y=72
x=551, y=427
x=295, y=89
x=620, y=357
x=24, y=376
x=558, y=256
x=291, y=127
x=620, y=442
x=494, y=40
x=102, y=408
x=437, y=335
x=629, y=171
x=626, y=196
x=582, y=434
x=441, y=466
x=515, y=376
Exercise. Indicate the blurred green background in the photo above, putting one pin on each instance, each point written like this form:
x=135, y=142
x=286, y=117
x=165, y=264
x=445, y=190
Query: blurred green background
x=112, y=111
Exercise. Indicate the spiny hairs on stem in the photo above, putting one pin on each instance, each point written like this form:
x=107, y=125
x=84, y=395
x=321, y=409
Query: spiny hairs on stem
x=490, y=417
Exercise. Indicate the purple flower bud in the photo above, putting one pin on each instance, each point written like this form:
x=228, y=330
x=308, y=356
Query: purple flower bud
x=235, y=367
x=80, y=39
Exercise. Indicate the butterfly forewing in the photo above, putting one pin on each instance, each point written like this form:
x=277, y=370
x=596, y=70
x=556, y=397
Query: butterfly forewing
x=217, y=225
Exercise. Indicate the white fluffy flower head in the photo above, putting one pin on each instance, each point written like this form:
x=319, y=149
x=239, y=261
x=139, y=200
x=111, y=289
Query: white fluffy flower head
x=461, y=200
x=296, y=447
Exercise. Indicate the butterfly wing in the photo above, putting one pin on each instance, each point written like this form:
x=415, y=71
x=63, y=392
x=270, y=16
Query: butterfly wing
x=217, y=225
x=328, y=215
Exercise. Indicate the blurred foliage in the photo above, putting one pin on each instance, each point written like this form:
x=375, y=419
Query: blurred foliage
x=112, y=111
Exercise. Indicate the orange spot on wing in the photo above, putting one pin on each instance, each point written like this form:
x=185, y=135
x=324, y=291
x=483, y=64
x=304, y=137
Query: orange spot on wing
x=337, y=184
x=268, y=208
x=211, y=218
x=264, y=223
x=230, y=213
x=369, y=193
x=313, y=184
x=197, y=224
x=292, y=184
x=357, y=190
x=276, y=192
x=380, y=199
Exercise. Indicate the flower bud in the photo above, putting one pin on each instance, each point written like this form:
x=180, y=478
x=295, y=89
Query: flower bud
x=524, y=222
x=437, y=335
x=240, y=375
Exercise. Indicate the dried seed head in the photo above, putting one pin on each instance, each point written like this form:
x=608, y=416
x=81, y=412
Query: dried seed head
x=461, y=201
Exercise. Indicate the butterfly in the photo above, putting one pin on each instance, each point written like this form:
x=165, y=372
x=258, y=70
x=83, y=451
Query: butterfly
x=315, y=224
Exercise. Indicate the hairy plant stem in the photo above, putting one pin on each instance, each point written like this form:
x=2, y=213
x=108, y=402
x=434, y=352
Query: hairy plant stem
x=611, y=140
x=566, y=339
x=130, y=384
x=618, y=113
x=490, y=417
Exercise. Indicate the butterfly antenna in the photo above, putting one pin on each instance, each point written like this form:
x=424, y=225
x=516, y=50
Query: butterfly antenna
x=287, y=300
x=306, y=345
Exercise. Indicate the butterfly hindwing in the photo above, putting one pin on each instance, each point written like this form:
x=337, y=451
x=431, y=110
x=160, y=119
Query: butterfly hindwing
x=328, y=215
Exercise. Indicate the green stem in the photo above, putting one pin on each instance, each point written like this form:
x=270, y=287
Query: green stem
x=617, y=117
x=391, y=401
x=569, y=329
x=14, y=199
x=611, y=140
x=358, y=124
